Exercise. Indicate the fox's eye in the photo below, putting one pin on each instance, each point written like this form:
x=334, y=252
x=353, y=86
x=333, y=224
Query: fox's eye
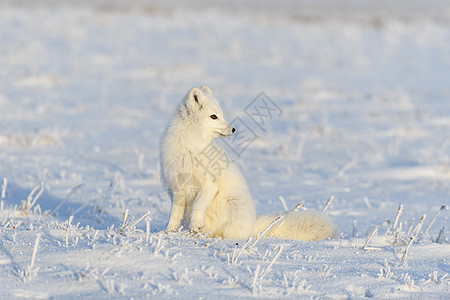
x=214, y=117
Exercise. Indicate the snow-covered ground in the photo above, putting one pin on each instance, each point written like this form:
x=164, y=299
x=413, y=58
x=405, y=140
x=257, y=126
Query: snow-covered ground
x=87, y=87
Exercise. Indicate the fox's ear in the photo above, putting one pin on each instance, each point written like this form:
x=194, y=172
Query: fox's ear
x=206, y=89
x=195, y=99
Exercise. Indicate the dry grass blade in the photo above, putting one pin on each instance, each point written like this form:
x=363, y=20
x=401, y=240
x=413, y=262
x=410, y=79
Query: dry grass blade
x=128, y=228
x=277, y=254
x=30, y=271
x=68, y=195
x=397, y=217
x=416, y=230
x=283, y=203
x=405, y=254
x=236, y=256
x=253, y=287
x=260, y=235
x=276, y=223
x=32, y=198
x=35, y=247
x=4, y=186
x=300, y=205
x=368, y=240
x=327, y=204
x=441, y=235
x=107, y=196
x=443, y=207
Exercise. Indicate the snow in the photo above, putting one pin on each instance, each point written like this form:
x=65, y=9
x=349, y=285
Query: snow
x=87, y=87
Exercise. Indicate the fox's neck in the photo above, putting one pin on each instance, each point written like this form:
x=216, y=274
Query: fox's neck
x=190, y=138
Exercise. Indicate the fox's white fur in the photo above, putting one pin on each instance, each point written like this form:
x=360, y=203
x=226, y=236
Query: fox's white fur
x=211, y=196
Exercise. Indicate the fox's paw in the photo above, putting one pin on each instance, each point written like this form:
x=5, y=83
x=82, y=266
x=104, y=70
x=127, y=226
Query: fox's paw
x=171, y=228
x=196, y=226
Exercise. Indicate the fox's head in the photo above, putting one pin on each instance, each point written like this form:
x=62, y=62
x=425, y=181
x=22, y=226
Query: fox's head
x=205, y=114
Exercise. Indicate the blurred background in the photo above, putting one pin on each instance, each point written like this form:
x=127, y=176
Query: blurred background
x=246, y=46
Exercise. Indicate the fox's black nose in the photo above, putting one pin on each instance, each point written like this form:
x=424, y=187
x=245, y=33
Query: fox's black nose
x=233, y=130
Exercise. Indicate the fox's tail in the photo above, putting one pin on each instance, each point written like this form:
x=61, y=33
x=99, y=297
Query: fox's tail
x=304, y=225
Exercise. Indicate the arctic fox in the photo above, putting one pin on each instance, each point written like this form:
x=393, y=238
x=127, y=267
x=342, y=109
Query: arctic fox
x=207, y=190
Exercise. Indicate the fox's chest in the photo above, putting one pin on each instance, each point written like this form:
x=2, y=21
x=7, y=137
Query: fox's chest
x=208, y=164
x=196, y=168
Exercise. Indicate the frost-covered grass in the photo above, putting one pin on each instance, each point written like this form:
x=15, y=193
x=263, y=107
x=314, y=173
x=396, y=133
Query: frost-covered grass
x=86, y=89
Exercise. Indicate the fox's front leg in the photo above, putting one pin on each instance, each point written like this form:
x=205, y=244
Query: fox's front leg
x=176, y=212
x=204, y=197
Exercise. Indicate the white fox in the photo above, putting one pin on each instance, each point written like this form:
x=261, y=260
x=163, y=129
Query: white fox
x=207, y=190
